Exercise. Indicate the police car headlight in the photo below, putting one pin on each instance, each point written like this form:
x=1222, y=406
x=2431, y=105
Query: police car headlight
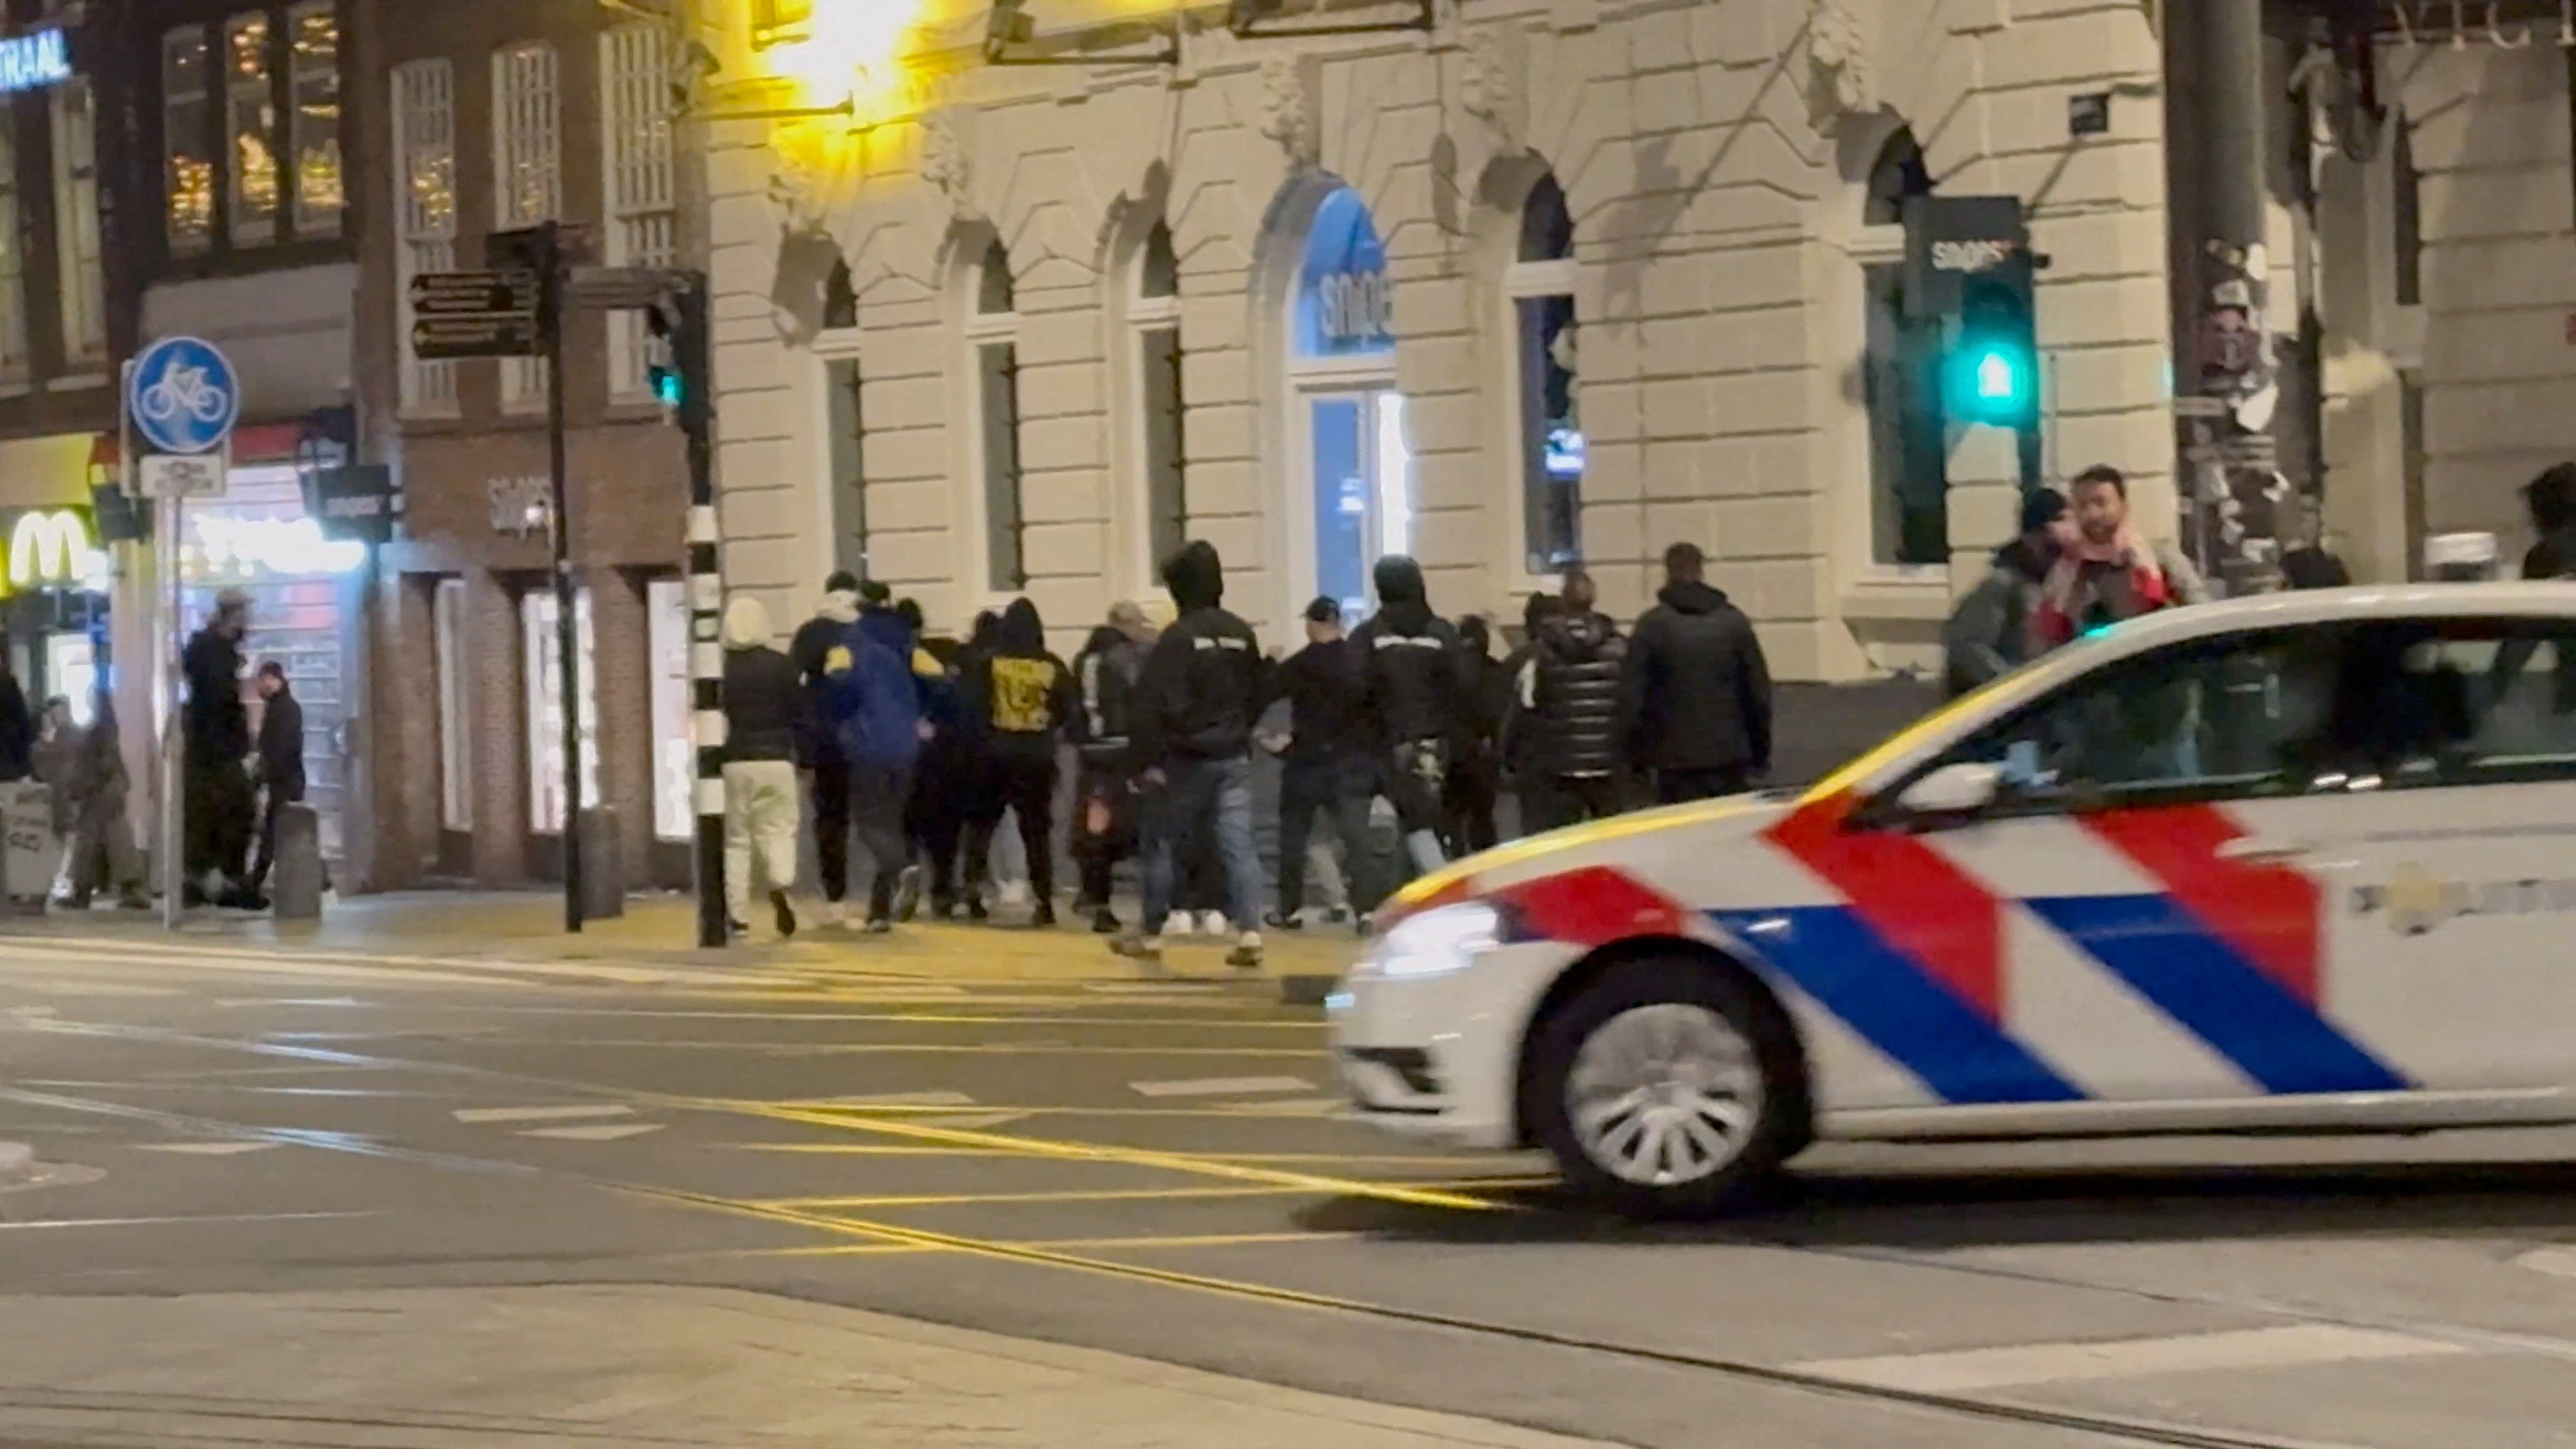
x=1437, y=942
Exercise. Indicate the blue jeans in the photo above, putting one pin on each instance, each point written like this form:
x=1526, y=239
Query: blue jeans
x=1197, y=799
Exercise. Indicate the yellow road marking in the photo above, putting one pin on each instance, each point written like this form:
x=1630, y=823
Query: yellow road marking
x=1232, y=1114
x=1131, y=1156
x=1127, y=1194
x=875, y=1149
x=1190, y=1240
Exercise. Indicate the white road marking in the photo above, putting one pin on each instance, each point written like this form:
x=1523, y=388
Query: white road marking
x=2556, y=1262
x=207, y=1149
x=157, y=1222
x=1222, y=1087
x=540, y=1114
x=1295, y=1107
x=2049, y=1363
x=604, y=1132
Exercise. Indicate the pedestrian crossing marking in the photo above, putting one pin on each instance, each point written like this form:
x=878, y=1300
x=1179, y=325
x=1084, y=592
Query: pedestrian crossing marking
x=540, y=1114
x=207, y=1149
x=1222, y=1087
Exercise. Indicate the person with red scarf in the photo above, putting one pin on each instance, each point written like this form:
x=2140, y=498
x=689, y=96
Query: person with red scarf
x=2105, y=570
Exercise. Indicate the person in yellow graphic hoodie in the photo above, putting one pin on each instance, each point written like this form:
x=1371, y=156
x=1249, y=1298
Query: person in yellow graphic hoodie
x=1022, y=697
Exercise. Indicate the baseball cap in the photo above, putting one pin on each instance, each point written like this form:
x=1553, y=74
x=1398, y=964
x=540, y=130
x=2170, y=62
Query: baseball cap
x=1325, y=610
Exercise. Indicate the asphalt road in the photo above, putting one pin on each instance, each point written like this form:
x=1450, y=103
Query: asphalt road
x=1154, y=1169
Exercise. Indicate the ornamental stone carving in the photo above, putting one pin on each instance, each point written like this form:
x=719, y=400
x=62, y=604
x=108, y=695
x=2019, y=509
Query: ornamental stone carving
x=1838, y=48
x=796, y=189
x=1287, y=107
x=1491, y=88
x=944, y=162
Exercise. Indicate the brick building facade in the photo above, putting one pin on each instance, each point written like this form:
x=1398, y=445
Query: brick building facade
x=496, y=115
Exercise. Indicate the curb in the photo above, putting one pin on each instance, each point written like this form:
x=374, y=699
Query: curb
x=17, y=1162
x=1306, y=990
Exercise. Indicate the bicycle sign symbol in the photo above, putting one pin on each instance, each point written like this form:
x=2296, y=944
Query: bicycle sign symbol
x=183, y=395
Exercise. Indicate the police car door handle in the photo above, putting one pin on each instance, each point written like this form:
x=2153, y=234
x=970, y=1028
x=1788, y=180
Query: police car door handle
x=2258, y=849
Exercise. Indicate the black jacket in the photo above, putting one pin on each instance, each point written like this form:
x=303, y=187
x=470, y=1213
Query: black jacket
x=1326, y=686
x=1695, y=693
x=1575, y=666
x=1202, y=684
x=1421, y=681
x=216, y=721
x=765, y=705
x=17, y=730
x=806, y=653
x=1020, y=695
x=281, y=747
x=1104, y=680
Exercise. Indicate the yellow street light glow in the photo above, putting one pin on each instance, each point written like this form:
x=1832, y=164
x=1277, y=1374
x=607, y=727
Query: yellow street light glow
x=853, y=50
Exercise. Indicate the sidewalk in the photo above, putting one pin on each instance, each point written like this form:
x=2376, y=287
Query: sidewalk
x=527, y=929
x=451, y=1368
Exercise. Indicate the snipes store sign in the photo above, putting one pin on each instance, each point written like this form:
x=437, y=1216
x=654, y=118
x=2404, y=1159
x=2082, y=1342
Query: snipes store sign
x=51, y=549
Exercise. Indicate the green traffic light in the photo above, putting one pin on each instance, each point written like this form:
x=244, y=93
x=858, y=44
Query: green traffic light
x=1995, y=379
x=666, y=387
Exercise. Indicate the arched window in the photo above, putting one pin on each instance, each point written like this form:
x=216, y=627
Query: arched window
x=1154, y=313
x=993, y=332
x=1540, y=284
x=1901, y=376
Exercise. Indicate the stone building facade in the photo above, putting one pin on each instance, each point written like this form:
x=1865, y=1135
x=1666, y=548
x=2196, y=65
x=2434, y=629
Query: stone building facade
x=1554, y=280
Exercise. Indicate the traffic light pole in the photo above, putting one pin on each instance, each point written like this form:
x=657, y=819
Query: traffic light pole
x=693, y=355
x=550, y=320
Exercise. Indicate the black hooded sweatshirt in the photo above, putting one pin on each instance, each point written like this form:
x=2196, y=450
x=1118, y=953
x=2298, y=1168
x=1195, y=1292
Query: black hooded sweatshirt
x=1420, y=678
x=1202, y=684
x=1696, y=694
x=1018, y=693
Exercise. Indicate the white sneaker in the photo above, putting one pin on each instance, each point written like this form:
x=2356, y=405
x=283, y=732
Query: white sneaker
x=1213, y=923
x=1179, y=923
x=832, y=916
x=1247, y=951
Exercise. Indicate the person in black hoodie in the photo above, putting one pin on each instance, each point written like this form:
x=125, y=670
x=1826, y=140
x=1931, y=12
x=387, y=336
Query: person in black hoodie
x=281, y=763
x=1419, y=683
x=1023, y=697
x=1104, y=832
x=818, y=750
x=216, y=725
x=1569, y=696
x=1195, y=704
x=1467, y=799
x=1328, y=764
x=1695, y=694
x=953, y=797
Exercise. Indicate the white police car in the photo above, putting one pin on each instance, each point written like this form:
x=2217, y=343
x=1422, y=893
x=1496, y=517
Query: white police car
x=2298, y=862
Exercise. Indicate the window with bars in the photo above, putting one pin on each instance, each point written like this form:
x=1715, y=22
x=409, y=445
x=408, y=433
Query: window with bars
x=527, y=174
x=1541, y=286
x=313, y=79
x=13, y=260
x=250, y=129
x=81, y=260
x=187, y=117
x=993, y=333
x=1156, y=313
x=424, y=114
x=643, y=218
x=848, y=437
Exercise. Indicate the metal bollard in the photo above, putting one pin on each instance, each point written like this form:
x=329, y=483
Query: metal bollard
x=603, y=865
x=295, y=882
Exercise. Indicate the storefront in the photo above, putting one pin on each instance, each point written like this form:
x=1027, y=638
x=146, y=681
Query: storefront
x=58, y=579
x=1345, y=412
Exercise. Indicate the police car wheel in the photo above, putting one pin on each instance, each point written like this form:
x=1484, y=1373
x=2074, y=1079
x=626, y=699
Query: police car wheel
x=1665, y=1087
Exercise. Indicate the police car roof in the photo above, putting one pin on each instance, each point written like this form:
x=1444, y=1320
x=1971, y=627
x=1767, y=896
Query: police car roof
x=2555, y=599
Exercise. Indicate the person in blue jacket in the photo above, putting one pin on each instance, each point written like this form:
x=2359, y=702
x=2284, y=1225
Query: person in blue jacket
x=873, y=704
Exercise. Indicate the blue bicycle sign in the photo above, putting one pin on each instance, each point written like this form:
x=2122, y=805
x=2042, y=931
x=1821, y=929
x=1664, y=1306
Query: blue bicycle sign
x=183, y=396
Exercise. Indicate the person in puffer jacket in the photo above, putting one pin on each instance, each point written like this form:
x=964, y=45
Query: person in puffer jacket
x=1570, y=703
x=818, y=751
x=1419, y=682
x=873, y=704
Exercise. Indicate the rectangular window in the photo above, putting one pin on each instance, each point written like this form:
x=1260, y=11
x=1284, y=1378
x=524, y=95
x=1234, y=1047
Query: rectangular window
x=643, y=218
x=76, y=237
x=13, y=260
x=849, y=466
x=424, y=107
x=1552, y=442
x=250, y=129
x=779, y=22
x=1166, y=469
x=455, y=709
x=997, y=370
x=675, y=746
x=187, y=128
x=2406, y=209
x=537, y=616
x=1908, y=444
x=527, y=174
x=313, y=74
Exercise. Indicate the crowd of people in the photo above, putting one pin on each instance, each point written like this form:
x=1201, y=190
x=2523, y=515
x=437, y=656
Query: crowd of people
x=922, y=750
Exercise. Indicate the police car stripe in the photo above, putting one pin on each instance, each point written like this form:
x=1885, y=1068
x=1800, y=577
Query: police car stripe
x=2204, y=982
x=2271, y=915
x=1841, y=960
x=1926, y=909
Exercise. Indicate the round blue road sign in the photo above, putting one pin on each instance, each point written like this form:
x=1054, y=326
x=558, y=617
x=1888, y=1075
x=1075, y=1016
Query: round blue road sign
x=183, y=395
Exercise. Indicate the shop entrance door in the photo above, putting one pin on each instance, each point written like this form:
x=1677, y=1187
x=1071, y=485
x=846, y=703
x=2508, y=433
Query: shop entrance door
x=1362, y=478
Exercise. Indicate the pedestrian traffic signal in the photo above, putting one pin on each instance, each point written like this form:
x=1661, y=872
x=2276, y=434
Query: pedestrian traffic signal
x=676, y=361
x=1990, y=372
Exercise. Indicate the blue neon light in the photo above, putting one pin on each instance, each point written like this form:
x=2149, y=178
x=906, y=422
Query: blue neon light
x=28, y=62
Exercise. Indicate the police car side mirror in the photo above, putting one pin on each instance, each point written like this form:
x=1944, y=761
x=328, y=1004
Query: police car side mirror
x=1964, y=788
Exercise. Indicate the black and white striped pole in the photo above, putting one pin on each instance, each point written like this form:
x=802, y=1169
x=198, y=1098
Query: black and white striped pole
x=683, y=376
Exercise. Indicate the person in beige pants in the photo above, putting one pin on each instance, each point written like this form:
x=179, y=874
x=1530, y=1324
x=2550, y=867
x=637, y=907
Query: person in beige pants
x=761, y=804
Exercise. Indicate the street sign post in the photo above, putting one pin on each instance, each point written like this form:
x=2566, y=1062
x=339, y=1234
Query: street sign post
x=182, y=396
x=477, y=314
x=181, y=475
